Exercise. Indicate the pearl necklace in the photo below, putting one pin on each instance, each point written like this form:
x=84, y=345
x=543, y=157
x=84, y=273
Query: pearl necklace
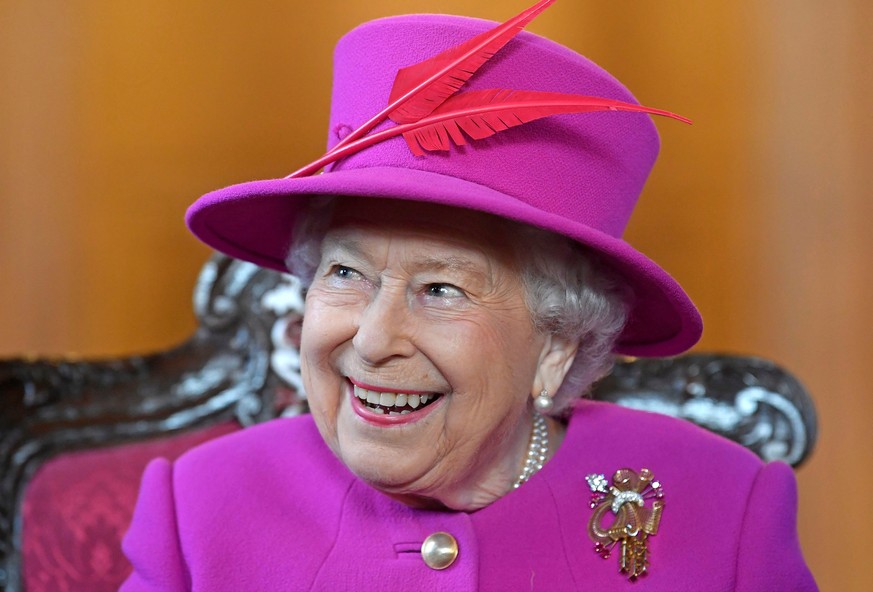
x=537, y=450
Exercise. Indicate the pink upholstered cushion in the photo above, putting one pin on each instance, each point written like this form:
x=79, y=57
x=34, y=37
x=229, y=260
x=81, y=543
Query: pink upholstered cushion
x=78, y=507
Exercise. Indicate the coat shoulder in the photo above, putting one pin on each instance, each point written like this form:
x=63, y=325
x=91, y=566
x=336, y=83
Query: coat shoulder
x=282, y=463
x=291, y=446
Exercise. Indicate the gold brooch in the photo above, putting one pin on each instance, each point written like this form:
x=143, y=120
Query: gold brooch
x=633, y=521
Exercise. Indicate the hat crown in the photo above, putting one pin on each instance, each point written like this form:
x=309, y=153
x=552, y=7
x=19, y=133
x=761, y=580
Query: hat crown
x=576, y=175
x=583, y=168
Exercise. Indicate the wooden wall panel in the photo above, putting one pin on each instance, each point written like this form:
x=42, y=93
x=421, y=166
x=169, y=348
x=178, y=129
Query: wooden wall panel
x=813, y=176
x=37, y=139
x=115, y=116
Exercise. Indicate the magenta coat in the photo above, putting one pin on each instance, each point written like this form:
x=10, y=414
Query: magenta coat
x=271, y=508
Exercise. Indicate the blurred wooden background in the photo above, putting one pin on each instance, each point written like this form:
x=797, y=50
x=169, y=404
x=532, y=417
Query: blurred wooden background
x=114, y=116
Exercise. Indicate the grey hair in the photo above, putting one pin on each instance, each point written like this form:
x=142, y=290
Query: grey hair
x=304, y=254
x=568, y=291
x=572, y=295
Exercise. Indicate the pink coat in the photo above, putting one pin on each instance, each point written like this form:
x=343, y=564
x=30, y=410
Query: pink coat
x=270, y=508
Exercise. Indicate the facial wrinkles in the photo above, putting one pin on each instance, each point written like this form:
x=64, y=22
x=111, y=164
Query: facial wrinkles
x=452, y=443
x=498, y=295
x=494, y=295
x=398, y=272
x=485, y=319
x=407, y=256
x=450, y=449
x=474, y=429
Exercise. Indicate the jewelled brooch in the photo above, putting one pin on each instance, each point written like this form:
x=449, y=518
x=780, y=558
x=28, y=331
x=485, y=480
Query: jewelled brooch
x=633, y=521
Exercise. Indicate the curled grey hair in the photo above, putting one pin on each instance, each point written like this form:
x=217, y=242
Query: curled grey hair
x=569, y=293
x=572, y=295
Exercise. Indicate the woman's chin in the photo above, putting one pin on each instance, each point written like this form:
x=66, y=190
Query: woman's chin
x=401, y=478
x=415, y=494
x=391, y=472
x=438, y=498
x=391, y=457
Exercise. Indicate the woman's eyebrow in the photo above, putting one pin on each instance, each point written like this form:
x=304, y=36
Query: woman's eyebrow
x=344, y=245
x=456, y=264
x=452, y=263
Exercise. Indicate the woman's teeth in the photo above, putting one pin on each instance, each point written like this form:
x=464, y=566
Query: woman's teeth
x=393, y=403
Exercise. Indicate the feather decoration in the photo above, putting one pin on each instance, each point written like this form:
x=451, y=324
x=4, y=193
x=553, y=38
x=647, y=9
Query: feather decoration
x=421, y=88
x=479, y=114
x=424, y=86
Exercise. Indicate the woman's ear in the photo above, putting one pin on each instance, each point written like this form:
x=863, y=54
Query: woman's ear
x=556, y=358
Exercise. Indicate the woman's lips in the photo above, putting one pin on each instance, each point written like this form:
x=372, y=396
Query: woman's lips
x=391, y=407
x=370, y=387
x=393, y=403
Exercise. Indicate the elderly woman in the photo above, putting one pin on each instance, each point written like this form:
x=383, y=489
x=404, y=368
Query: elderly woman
x=464, y=292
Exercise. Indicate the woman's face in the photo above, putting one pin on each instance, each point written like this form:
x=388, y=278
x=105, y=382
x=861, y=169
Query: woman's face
x=418, y=353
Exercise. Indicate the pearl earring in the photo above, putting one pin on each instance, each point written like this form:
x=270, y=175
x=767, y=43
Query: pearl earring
x=543, y=402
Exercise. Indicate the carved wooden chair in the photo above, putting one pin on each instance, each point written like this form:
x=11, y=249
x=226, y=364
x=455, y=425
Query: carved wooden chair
x=76, y=436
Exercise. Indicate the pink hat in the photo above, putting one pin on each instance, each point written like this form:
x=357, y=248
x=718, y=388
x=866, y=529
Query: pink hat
x=578, y=175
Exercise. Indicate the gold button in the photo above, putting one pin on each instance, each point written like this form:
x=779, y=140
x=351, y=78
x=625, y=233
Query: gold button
x=439, y=550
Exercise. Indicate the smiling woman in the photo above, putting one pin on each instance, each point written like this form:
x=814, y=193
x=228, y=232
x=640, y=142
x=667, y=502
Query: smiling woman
x=459, y=306
x=412, y=301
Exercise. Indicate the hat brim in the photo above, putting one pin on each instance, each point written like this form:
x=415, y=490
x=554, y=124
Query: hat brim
x=253, y=222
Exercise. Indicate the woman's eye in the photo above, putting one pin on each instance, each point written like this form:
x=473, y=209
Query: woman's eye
x=444, y=291
x=345, y=273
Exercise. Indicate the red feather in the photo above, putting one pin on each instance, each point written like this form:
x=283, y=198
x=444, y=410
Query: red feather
x=481, y=114
x=421, y=88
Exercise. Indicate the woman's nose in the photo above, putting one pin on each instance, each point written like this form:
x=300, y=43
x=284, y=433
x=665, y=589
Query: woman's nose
x=384, y=328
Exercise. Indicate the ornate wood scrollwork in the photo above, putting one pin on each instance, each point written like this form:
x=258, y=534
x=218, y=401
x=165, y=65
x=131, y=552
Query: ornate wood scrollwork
x=749, y=400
